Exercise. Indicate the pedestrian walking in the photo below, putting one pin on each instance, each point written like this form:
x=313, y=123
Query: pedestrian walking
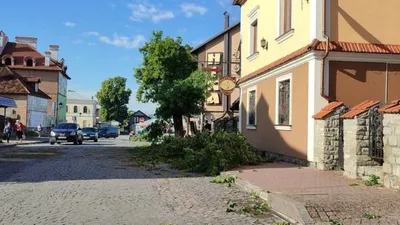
x=19, y=130
x=7, y=132
x=39, y=130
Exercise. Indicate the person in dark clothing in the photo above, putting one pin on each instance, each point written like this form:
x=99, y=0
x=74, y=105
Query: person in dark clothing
x=7, y=132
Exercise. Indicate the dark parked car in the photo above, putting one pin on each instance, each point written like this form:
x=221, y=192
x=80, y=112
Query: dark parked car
x=108, y=132
x=66, y=132
x=90, y=133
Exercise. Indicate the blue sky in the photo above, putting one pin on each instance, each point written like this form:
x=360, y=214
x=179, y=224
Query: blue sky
x=100, y=39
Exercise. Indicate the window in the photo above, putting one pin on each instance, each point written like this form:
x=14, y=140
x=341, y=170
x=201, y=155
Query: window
x=7, y=61
x=284, y=102
x=66, y=108
x=252, y=108
x=75, y=109
x=253, y=32
x=285, y=20
x=29, y=62
x=253, y=35
x=85, y=109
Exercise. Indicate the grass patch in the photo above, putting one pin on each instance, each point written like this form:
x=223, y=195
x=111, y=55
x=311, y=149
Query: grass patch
x=252, y=206
x=373, y=180
x=281, y=223
x=223, y=179
x=370, y=216
x=334, y=222
x=204, y=153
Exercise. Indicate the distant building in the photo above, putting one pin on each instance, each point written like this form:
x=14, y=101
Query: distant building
x=31, y=101
x=82, y=110
x=23, y=57
x=137, y=117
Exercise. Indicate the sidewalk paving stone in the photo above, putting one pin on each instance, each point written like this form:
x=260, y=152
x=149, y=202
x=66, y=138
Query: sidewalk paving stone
x=326, y=195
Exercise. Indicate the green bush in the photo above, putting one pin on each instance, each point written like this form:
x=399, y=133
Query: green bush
x=156, y=130
x=140, y=137
x=204, y=153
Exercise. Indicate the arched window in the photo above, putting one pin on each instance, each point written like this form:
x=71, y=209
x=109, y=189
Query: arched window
x=29, y=62
x=75, y=109
x=7, y=61
x=85, y=109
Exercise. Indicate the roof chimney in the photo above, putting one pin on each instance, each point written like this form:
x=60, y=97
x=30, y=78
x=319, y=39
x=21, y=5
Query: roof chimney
x=32, y=41
x=3, y=40
x=54, y=51
x=47, y=58
x=226, y=14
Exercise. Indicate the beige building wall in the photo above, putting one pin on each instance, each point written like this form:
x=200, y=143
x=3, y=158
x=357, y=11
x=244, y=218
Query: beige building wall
x=20, y=111
x=266, y=136
x=372, y=21
x=82, y=119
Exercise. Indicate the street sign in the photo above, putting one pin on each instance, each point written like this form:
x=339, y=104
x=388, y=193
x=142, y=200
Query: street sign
x=227, y=85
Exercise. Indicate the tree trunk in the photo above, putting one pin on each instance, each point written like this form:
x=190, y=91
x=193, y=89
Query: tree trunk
x=178, y=125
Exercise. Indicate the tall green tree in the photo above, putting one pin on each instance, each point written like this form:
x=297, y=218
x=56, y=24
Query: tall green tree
x=113, y=98
x=168, y=77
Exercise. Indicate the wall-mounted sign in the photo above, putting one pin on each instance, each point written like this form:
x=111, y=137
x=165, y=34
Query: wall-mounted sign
x=227, y=85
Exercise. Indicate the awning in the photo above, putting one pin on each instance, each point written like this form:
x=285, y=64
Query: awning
x=235, y=105
x=7, y=103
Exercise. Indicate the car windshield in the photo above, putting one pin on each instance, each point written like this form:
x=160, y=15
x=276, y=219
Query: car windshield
x=66, y=126
x=88, y=129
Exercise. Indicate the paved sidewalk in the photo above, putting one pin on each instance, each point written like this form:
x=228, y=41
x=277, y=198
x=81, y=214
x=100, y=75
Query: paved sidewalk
x=28, y=141
x=326, y=197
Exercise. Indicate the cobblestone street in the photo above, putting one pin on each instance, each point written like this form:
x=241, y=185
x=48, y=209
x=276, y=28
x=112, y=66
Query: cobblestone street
x=94, y=184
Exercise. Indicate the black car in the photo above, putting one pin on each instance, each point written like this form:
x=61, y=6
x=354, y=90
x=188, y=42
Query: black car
x=108, y=132
x=90, y=133
x=66, y=132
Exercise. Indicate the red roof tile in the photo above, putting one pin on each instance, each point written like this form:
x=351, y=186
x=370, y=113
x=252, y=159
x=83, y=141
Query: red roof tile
x=13, y=83
x=20, y=51
x=395, y=109
x=317, y=45
x=360, y=47
x=327, y=109
x=359, y=109
x=32, y=79
x=390, y=105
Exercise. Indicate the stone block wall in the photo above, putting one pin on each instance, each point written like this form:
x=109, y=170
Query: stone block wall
x=391, y=138
x=357, y=160
x=328, y=139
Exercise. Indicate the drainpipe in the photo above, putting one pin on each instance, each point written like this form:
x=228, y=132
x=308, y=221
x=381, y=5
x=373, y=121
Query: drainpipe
x=387, y=84
x=326, y=37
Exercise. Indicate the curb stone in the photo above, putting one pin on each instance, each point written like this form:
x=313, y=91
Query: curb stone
x=13, y=145
x=293, y=211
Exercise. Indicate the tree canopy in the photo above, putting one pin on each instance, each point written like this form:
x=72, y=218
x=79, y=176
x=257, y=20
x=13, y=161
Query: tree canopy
x=168, y=77
x=113, y=98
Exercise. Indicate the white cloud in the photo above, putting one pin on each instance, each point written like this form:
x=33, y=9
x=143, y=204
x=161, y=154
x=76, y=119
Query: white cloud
x=225, y=3
x=91, y=43
x=79, y=41
x=70, y=24
x=123, y=41
x=91, y=33
x=189, y=9
x=142, y=10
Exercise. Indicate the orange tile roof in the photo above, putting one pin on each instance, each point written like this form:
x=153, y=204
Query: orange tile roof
x=13, y=83
x=20, y=51
x=359, y=109
x=317, y=45
x=327, y=109
x=395, y=109
x=32, y=79
x=390, y=105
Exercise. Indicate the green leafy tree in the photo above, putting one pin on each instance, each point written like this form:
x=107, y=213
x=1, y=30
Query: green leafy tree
x=169, y=78
x=113, y=98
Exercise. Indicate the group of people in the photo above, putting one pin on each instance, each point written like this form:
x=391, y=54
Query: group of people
x=18, y=129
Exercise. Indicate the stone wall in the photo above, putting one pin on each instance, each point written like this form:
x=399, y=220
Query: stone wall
x=328, y=140
x=391, y=138
x=357, y=160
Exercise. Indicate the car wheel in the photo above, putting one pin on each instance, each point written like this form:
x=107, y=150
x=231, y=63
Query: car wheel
x=96, y=140
x=52, y=143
